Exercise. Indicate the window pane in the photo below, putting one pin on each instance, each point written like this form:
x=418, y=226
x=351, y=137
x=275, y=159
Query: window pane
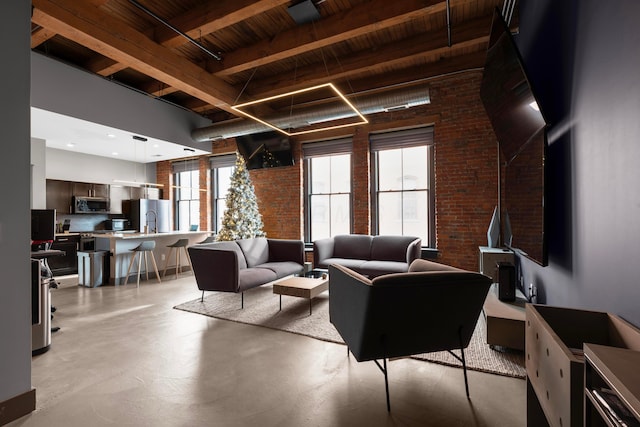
x=320, y=216
x=221, y=205
x=390, y=213
x=341, y=174
x=183, y=215
x=224, y=181
x=194, y=180
x=320, y=175
x=415, y=214
x=390, y=170
x=340, y=214
x=414, y=167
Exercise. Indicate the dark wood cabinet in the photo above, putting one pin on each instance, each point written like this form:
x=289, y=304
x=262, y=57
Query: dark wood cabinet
x=90, y=190
x=59, y=195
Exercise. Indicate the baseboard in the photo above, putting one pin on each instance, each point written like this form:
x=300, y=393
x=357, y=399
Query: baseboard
x=17, y=406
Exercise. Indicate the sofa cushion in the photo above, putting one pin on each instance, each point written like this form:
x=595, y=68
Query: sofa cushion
x=353, y=264
x=352, y=246
x=252, y=277
x=391, y=248
x=282, y=268
x=227, y=246
x=425, y=265
x=377, y=268
x=256, y=251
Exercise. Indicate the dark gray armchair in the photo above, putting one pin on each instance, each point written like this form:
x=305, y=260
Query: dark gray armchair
x=433, y=307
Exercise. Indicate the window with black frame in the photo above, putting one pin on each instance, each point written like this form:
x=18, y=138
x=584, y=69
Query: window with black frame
x=186, y=179
x=221, y=171
x=327, y=188
x=402, y=180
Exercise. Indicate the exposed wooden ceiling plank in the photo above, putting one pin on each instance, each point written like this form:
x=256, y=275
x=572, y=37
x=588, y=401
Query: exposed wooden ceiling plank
x=363, y=19
x=40, y=36
x=100, y=32
x=212, y=16
x=397, y=54
x=104, y=66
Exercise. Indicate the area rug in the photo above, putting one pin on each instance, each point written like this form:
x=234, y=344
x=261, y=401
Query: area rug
x=261, y=308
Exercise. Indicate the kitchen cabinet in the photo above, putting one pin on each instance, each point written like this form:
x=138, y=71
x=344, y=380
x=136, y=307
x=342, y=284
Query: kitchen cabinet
x=90, y=190
x=59, y=196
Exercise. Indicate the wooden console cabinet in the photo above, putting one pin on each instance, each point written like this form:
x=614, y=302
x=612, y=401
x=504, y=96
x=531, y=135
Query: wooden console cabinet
x=611, y=386
x=555, y=358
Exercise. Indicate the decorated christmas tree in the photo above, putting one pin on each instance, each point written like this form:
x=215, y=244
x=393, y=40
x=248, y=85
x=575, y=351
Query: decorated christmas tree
x=242, y=219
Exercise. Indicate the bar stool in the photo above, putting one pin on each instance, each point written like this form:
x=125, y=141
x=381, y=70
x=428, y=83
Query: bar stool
x=181, y=243
x=140, y=251
x=209, y=239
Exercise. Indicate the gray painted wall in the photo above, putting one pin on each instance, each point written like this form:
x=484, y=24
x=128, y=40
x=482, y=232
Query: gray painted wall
x=15, y=286
x=66, y=90
x=583, y=59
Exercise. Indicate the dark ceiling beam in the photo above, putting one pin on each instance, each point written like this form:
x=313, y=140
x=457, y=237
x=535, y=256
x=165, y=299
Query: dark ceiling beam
x=471, y=34
x=210, y=17
x=361, y=20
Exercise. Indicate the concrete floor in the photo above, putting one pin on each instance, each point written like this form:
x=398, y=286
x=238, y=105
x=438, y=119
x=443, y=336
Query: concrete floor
x=125, y=357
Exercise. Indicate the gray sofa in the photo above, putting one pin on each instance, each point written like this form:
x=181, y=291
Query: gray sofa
x=371, y=256
x=245, y=264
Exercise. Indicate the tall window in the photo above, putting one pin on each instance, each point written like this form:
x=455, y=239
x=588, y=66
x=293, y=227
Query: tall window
x=327, y=189
x=186, y=178
x=221, y=171
x=403, y=182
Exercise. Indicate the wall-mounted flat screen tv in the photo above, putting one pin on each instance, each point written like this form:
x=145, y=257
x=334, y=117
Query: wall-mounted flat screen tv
x=520, y=128
x=265, y=150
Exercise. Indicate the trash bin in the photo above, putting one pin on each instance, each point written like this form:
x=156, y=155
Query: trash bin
x=91, y=268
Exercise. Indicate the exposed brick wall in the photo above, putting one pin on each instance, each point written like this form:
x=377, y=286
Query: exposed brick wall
x=465, y=175
x=466, y=169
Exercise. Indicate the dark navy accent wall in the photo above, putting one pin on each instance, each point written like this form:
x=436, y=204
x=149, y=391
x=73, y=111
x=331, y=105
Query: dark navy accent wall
x=583, y=61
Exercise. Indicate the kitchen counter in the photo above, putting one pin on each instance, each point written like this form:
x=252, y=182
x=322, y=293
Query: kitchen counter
x=119, y=246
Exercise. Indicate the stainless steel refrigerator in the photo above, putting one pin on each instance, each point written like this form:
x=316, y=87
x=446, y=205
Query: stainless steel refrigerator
x=155, y=214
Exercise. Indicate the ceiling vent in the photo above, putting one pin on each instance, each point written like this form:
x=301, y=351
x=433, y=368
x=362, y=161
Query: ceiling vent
x=304, y=12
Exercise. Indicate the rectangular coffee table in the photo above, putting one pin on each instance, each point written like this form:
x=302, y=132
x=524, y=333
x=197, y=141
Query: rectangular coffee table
x=301, y=287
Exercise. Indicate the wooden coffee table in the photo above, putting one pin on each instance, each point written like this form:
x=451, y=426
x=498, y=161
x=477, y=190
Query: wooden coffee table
x=301, y=287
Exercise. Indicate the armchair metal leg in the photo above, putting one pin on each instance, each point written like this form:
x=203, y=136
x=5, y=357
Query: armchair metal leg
x=386, y=381
x=242, y=300
x=202, y=297
x=462, y=360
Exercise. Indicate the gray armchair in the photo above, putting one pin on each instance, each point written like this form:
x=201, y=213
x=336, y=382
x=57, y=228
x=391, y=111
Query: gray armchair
x=433, y=307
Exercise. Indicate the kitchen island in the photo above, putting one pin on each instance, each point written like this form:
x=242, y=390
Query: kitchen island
x=119, y=247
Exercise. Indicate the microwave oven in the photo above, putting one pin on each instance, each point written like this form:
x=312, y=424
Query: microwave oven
x=82, y=204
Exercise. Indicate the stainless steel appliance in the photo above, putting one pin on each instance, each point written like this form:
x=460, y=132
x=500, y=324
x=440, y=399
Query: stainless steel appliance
x=155, y=215
x=85, y=204
x=87, y=242
x=116, y=224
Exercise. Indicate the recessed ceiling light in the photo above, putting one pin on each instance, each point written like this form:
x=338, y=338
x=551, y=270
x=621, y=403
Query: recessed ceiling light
x=70, y=144
x=115, y=153
x=110, y=135
x=155, y=145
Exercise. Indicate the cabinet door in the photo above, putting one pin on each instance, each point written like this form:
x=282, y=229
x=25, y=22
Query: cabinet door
x=82, y=189
x=100, y=190
x=59, y=196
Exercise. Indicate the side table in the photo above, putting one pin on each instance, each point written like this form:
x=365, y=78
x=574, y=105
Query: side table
x=505, y=319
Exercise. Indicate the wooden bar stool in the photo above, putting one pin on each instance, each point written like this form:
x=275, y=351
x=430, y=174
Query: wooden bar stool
x=181, y=243
x=140, y=251
x=209, y=239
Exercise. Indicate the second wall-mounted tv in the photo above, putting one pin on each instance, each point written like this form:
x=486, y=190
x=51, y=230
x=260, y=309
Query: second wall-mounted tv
x=265, y=150
x=520, y=128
